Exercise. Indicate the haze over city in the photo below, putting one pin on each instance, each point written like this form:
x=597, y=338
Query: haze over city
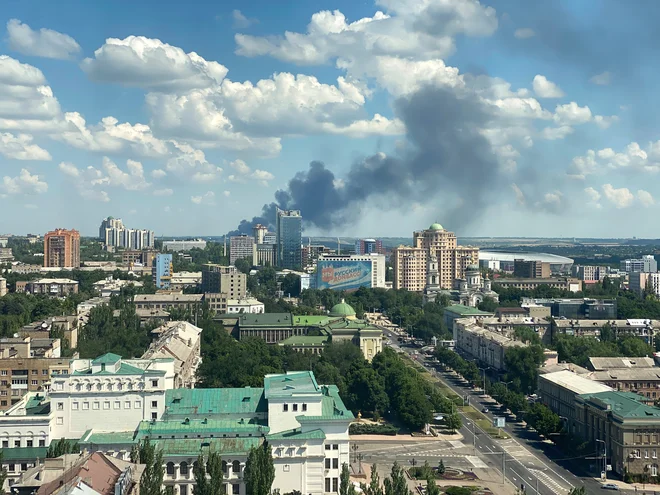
x=496, y=118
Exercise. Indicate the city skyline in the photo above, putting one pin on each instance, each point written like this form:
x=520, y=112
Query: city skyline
x=491, y=117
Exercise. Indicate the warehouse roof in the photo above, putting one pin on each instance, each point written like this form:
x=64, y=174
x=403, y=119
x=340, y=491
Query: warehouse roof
x=575, y=383
x=606, y=363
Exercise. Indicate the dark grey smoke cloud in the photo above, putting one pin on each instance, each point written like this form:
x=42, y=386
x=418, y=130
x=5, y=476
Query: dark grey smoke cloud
x=446, y=162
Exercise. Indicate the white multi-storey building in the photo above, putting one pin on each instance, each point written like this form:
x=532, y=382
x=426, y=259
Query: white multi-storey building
x=242, y=247
x=108, y=393
x=646, y=264
x=183, y=245
x=246, y=305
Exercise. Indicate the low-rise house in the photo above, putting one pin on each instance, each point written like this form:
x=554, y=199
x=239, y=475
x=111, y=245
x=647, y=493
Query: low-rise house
x=112, y=287
x=56, y=287
x=638, y=327
x=246, y=305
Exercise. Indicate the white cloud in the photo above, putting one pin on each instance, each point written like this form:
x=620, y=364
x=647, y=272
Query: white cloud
x=645, y=198
x=163, y=192
x=620, y=198
x=191, y=163
x=545, y=88
x=43, y=43
x=158, y=173
x=633, y=157
x=524, y=33
x=553, y=133
x=519, y=195
x=240, y=21
x=226, y=193
x=602, y=79
x=244, y=172
x=605, y=122
x=21, y=148
x=91, y=183
x=205, y=199
x=26, y=101
x=572, y=114
x=25, y=183
x=132, y=180
x=593, y=197
x=109, y=136
x=152, y=64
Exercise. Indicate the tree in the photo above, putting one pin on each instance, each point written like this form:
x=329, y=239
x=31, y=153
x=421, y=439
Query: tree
x=441, y=468
x=344, y=479
x=3, y=474
x=431, y=487
x=578, y=491
x=522, y=364
x=259, y=472
x=454, y=422
x=396, y=484
x=488, y=304
x=202, y=485
x=61, y=447
x=217, y=475
x=152, y=477
x=374, y=487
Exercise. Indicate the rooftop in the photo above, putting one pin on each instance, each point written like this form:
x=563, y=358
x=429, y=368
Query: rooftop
x=104, y=438
x=459, y=309
x=305, y=340
x=107, y=358
x=23, y=453
x=203, y=427
x=575, y=383
x=193, y=446
x=266, y=320
x=289, y=384
x=145, y=298
x=54, y=281
x=624, y=405
x=342, y=310
x=626, y=374
x=596, y=324
x=187, y=402
x=303, y=321
x=606, y=363
x=491, y=255
x=296, y=434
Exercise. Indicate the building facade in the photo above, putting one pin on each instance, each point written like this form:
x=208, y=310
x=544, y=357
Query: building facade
x=162, y=271
x=531, y=269
x=242, y=247
x=247, y=305
x=22, y=374
x=258, y=232
x=177, y=246
x=3, y=286
x=56, y=287
x=567, y=284
x=266, y=255
x=486, y=346
x=369, y=246
x=62, y=249
x=288, y=229
x=410, y=262
x=646, y=264
x=588, y=308
x=224, y=279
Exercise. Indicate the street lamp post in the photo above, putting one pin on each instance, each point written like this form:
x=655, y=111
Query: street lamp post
x=484, y=370
x=604, y=457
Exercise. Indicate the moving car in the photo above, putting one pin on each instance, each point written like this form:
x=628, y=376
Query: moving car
x=610, y=486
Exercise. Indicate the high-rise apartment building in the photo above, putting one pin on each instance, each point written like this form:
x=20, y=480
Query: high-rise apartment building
x=259, y=232
x=369, y=246
x=162, y=271
x=62, y=249
x=288, y=228
x=242, y=247
x=114, y=234
x=410, y=262
x=646, y=264
x=224, y=279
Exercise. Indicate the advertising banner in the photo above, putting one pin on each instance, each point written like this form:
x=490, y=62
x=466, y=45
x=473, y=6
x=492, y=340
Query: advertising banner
x=346, y=275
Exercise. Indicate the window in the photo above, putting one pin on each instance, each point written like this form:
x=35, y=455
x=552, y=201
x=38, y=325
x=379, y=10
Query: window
x=154, y=415
x=5, y=444
x=327, y=462
x=127, y=404
x=654, y=470
x=24, y=466
x=60, y=420
x=235, y=489
x=236, y=467
x=295, y=407
x=117, y=404
x=335, y=446
x=106, y=405
x=85, y=406
x=328, y=446
x=42, y=443
x=4, y=402
x=11, y=468
x=170, y=468
x=183, y=489
x=654, y=454
x=138, y=404
x=335, y=485
x=285, y=407
x=286, y=468
x=35, y=372
x=327, y=485
x=335, y=463
x=17, y=443
x=44, y=372
x=4, y=382
x=304, y=407
x=646, y=454
x=3, y=393
x=74, y=406
x=154, y=403
x=60, y=406
x=154, y=383
x=183, y=468
x=29, y=443
x=3, y=373
x=35, y=382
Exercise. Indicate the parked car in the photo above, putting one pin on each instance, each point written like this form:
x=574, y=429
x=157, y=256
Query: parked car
x=610, y=486
x=484, y=410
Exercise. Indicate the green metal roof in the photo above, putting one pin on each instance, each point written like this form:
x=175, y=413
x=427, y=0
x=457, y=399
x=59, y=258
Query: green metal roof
x=306, y=340
x=108, y=438
x=296, y=434
x=202, y=427
x=625, y=405
x=124, y=369
x=289, y=384
x=203, y=402
x=193, y=446
x=354, y=325
x=342, y=309
x=465, y=310
x=24, y=453
x=304, y=321
x=36, y=405
x=436, y=226
x=265, y=320
x=107, y=358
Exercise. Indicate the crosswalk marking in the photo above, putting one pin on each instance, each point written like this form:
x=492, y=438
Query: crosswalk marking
x=476, y=462
x=549, y=482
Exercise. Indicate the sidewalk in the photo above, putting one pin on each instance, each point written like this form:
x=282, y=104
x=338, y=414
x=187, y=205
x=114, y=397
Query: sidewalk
x=648, y=488
x=404, y=438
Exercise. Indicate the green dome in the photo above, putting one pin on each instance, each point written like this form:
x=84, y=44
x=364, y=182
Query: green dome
x=436, y=226
x=342, y=310
x=474, y=268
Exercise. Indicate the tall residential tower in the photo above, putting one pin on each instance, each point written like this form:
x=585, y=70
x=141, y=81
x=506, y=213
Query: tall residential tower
x=288, y=229
x=62, y=249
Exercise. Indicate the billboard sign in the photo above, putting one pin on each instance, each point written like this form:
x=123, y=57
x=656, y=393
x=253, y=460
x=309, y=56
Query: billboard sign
x=499, y=422
x=343, y=274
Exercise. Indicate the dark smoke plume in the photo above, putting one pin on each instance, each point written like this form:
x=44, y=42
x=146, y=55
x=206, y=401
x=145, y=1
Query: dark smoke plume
x=446, y=162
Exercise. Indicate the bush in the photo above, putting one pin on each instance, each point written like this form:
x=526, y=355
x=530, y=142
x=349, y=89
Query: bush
x=459, y=490
x=371, y=429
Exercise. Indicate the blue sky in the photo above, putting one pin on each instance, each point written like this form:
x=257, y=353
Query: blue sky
x=495, y=118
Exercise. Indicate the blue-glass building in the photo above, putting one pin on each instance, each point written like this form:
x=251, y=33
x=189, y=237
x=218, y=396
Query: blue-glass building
x=288, y=229
x=162, y=271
